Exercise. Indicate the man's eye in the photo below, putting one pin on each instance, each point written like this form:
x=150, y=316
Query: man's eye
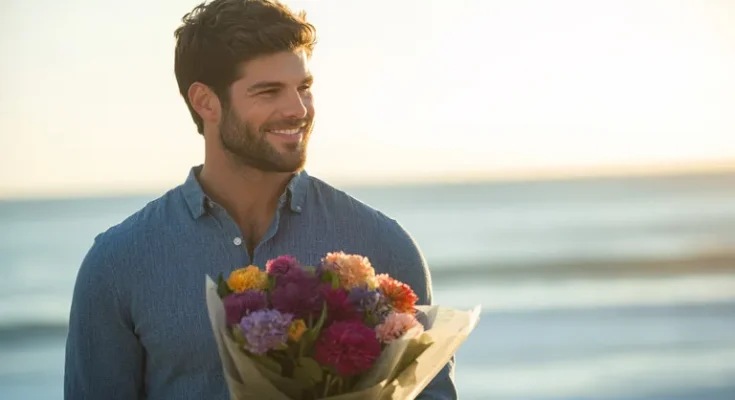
x=269, y=92
x=305, y=87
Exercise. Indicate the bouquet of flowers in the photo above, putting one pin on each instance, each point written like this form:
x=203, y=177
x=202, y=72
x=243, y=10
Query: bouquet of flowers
x=334, y=331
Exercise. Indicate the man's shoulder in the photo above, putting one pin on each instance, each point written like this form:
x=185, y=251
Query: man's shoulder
x=148, y=222
x=344, y=203
x=371, y=220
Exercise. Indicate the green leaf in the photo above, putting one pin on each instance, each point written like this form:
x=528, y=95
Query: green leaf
x=302, y=344
x=222, y=289
x=335, y=281
x=371, y=320
x=311, y=271
x=308, y=372
x=268, y=363
x=238, y=335
x=327, y=277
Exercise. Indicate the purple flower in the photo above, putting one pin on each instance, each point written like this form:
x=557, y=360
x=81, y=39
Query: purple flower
x=265, y=330
x=281, y=266
x=237, y=305
x=298, y=295
x=370, y=302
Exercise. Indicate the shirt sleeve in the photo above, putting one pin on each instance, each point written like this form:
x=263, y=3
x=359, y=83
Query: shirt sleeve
x=409, y=266
x=104, y=359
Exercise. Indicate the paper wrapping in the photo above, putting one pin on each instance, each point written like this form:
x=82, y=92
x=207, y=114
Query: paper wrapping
x=403, y=370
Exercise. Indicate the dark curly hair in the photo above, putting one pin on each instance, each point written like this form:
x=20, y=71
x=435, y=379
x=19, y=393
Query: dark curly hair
x=215, y=39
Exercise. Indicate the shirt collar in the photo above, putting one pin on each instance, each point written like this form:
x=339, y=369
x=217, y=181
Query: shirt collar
x=197, y=200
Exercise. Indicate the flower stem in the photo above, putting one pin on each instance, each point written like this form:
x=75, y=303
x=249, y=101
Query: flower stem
x=327, y=384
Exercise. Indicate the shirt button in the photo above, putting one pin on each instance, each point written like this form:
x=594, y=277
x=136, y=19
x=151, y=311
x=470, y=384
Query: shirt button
x=298, y=208
x=237, y=241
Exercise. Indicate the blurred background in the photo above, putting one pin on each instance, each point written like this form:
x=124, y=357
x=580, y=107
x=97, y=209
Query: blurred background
x=569, y=165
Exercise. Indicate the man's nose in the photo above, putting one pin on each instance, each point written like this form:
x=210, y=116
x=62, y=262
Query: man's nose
x=295, y=105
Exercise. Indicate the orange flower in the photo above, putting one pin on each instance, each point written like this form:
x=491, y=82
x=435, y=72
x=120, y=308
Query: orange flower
x=401, y=296
x=296, y=330
x=353, y=270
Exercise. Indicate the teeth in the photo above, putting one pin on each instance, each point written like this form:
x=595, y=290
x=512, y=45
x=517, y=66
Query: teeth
x=287, y=131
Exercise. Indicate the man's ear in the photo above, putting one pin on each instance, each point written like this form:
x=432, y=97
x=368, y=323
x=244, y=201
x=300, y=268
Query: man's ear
x=205, y=102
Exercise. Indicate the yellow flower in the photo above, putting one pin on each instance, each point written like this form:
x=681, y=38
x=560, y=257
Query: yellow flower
x=297, y=328
x=250, y=277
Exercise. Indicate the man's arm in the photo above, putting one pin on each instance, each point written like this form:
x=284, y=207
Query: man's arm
x=409, y=266
x=104, y=359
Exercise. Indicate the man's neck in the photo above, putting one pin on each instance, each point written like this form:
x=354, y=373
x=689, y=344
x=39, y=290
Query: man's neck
x=243, y=191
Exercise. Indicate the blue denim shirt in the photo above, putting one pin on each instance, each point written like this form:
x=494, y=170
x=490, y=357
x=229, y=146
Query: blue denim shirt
x=138, y=326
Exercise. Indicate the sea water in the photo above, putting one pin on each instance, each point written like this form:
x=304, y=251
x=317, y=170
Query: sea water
x=572, y=276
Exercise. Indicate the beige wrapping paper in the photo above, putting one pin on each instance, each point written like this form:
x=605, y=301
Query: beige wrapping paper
x=402, y=371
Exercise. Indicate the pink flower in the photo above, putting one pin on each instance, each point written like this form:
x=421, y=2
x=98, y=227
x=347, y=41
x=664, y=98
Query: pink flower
x=349, y=347
x=395, y=325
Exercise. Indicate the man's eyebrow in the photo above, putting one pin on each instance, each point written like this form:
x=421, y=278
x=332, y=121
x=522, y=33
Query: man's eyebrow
x=264, y=85
x=275, y=85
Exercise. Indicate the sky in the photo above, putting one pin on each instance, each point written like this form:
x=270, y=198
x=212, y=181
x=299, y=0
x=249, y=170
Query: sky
x=405, y=91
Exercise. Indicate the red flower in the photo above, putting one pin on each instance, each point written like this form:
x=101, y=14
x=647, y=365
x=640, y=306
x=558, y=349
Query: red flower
x=349, y=347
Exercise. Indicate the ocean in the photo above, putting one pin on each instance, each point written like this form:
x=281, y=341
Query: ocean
x=615, y=288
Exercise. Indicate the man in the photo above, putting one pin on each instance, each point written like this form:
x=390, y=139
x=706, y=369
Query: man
x=138, y=326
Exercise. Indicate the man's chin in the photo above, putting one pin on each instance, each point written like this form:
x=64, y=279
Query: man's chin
x=281, y=166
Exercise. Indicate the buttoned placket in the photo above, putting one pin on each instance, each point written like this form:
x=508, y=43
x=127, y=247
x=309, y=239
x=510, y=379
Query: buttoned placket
x=233, y=233
x=230, y=234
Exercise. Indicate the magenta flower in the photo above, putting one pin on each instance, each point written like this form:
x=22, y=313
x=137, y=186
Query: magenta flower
x=281, y=266
x=298, y=295
x=339, y=307
x=237, y=305
x=348, y=346
x=265, y=330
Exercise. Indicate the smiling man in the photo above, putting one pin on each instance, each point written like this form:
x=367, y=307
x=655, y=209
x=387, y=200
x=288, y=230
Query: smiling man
x=138, y=327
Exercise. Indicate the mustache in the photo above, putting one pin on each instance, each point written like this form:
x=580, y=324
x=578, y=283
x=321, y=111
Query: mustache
x=288, y=124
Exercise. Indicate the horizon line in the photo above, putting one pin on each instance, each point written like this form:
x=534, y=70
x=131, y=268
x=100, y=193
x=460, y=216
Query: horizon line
x=458, y=179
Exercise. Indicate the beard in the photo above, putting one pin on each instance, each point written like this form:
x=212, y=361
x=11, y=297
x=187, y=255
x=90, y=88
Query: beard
x=248, y=145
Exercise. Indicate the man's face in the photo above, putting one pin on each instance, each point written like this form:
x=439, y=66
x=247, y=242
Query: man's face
x=270, y=117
